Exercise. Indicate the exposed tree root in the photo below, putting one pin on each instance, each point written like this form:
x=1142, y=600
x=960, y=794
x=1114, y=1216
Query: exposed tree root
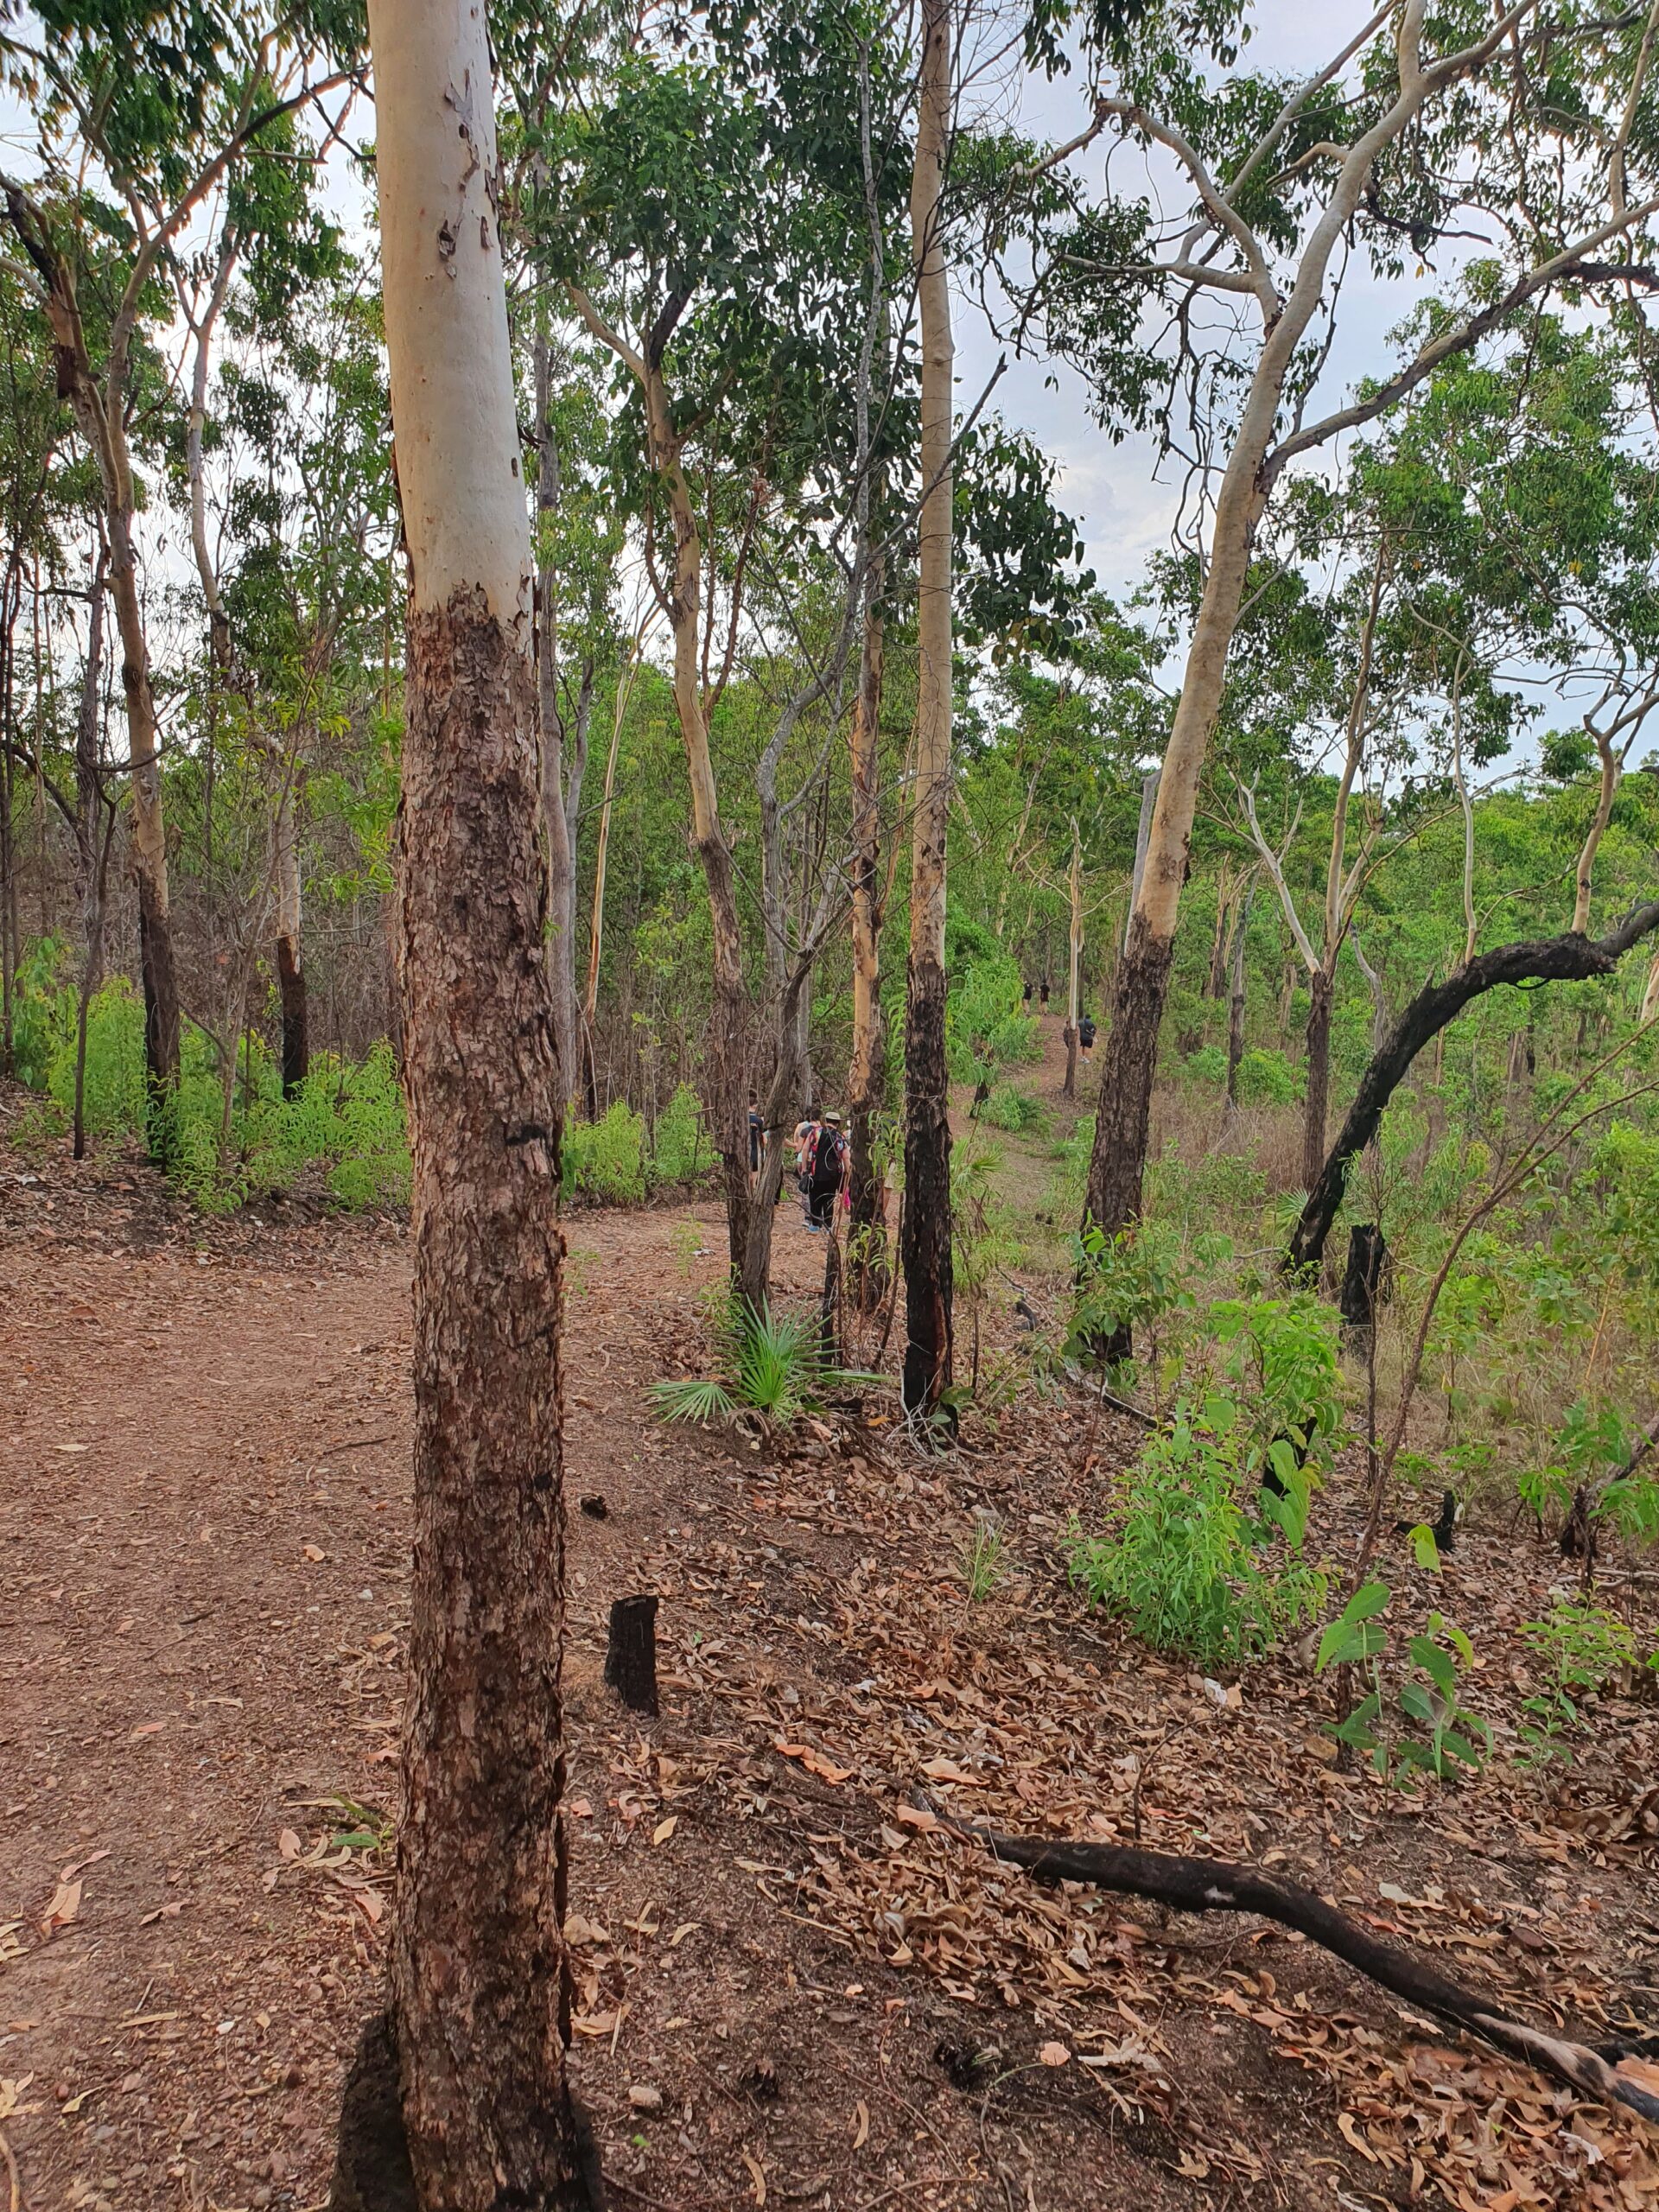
x=1217, y=1885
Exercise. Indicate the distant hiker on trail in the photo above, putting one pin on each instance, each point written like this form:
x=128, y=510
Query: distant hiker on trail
x=829, y=1165
x=1086, y=1035
x=1025, y=998
x=1042, y=995
x=756, y=1130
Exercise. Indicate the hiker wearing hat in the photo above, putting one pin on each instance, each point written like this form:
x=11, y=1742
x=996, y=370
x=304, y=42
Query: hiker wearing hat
x=827, y=1165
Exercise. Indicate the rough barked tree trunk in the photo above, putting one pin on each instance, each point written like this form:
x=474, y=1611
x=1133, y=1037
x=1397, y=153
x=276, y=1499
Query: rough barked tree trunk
x=1554, y=959
x=924, y=1250
x=479, y=1969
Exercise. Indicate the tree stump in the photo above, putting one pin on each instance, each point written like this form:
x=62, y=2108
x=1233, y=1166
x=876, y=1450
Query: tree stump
x=631, y=1658
x=1365, y=1285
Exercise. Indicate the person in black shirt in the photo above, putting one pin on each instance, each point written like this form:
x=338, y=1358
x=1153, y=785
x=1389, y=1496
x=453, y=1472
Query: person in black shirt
x=1086, y=1035
x=829, y=1165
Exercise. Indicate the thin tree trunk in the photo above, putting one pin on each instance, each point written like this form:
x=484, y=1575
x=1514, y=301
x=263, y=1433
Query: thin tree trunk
x=100, y=417
x=925, y=1246
x=866, y=1073
x=290, y=972
x=601, y=856
x=479, y=1974
x=148, y=846
x=1142, y=834
x=561, y=856
x=1235, y=1001
x=1315, y=1103
x=92, y=851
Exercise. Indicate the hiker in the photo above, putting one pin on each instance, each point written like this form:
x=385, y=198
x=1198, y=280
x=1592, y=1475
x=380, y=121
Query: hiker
x=1086, y=1036
x=829, y=1164
x=1042, y=996
x=1025, y=996
x=757, y=1129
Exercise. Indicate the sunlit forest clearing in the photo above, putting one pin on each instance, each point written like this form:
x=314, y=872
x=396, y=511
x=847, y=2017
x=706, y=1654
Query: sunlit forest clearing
x=829, y=1107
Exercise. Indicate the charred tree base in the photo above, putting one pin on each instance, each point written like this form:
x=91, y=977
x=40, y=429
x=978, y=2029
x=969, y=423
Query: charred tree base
x=296, y=1047
x=924, y=1228
x=631, y=1656
x=371, y=2168
x=1128, y=1064
x=372, y=2172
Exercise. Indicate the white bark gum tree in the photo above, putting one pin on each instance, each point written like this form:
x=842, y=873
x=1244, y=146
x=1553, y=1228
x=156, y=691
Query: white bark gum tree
x=479, y=1969
x=1221, y=250
x=725, y=1055
x=564, y=750
x=284, y=762
x=925, y=1243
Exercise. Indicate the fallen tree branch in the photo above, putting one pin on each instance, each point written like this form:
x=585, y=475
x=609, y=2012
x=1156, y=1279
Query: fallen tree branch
x=1217, y=1885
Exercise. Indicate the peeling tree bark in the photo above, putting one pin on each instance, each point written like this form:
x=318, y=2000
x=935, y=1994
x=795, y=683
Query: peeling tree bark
x=479, y=1969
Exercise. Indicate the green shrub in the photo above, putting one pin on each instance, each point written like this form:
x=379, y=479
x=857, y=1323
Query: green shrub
x=1010, y=1108
x=986, y=1027
x=1189, y=1570
x=772, y=1364
x=1267, y=1079
x=114, y=1090
x=681, y=1149
x=1208, y=1065
x=605, y=1160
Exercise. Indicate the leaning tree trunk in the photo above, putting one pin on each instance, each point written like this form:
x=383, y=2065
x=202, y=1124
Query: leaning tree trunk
x=866, y=1073
x=479, y=1967
x=1555, y=959
x=924, y=1248
x=1321, y=989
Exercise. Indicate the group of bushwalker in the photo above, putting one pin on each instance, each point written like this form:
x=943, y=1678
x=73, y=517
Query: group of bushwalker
x=818, y=1145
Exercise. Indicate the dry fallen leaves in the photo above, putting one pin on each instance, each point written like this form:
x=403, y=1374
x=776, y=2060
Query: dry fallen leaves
x=814, y=1761
x=64, y=1907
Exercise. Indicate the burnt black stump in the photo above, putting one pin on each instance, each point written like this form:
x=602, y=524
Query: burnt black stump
x=631, y=1658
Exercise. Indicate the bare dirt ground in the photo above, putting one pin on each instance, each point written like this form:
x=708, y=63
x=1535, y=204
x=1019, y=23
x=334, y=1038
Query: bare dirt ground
x=788, y=1992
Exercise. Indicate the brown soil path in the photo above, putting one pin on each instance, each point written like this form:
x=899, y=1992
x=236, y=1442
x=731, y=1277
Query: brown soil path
x=784, y=1994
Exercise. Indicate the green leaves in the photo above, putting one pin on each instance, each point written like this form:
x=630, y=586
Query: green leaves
x=1357, y=1638
x=1356, y=1635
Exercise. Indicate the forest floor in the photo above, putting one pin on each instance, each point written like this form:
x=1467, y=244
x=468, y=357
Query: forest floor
x=789, y=1991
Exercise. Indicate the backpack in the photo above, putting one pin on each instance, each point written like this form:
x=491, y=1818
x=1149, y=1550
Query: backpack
x=827, y=1154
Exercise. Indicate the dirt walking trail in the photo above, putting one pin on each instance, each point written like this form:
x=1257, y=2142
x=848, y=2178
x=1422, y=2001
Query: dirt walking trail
x=787, y=1991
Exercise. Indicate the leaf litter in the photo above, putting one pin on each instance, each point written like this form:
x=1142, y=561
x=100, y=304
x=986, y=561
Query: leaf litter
x=837, y=2002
